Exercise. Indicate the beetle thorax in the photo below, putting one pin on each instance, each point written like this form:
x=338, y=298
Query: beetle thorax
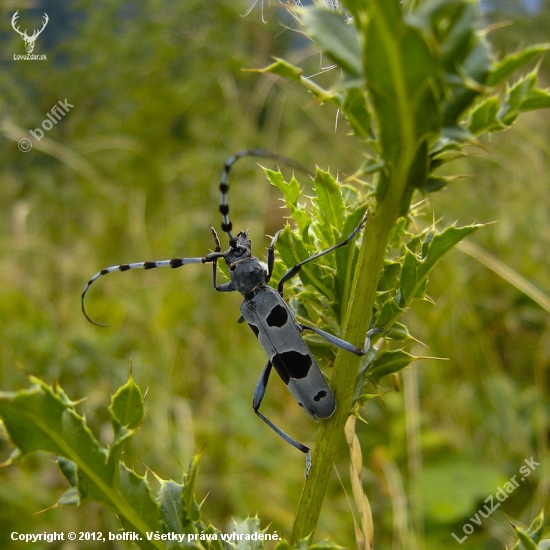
x=245, y=270
x=247, y=275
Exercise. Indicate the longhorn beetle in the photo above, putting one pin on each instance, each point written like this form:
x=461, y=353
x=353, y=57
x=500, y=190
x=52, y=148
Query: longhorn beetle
x=265, y=311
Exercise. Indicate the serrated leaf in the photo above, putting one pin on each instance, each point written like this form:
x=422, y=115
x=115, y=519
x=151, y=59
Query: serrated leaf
x=525, y=540
x=249, y=529
x=283, y=68
x=190, y=506
x=41, y=419
x=415, y=270
x=331, y=275
x=291, y=192
x=533, y=532
x=523, y=96
x=215, y=543
x=171, y=509
x=287, y=70
x=390, y=310
x=538, y=99
x=513, y=62
x=127, y=407
x=388, y=362
x=484, y=118
x=34, y=421
x=536, y=527
x=292, y=250
x=134, y=489
x=127, y=411
x=329, y=208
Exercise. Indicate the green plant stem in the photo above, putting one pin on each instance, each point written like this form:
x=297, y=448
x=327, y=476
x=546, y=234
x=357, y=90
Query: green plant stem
x=331, y=432
x=391, y=190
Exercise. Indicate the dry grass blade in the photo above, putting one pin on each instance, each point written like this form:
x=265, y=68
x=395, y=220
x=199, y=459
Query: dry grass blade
x=507, y=273
x=365, y=535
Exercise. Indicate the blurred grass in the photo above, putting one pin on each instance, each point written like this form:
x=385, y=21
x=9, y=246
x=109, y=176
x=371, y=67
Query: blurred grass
x=131, y=174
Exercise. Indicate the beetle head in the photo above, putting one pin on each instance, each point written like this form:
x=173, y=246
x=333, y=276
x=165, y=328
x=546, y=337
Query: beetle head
x=241, y=248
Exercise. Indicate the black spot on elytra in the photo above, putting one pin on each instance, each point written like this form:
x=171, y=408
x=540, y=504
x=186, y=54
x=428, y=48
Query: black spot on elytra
x=255, y=329
x=319, y=395
x=277, y=317
x=291, y=364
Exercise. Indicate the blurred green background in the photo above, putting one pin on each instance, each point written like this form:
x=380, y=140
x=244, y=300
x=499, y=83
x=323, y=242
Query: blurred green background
x=131, y=173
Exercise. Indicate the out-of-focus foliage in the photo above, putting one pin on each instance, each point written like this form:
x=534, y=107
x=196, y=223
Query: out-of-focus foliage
x=131, y=172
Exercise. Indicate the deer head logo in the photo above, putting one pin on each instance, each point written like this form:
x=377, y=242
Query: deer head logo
x=29, y=40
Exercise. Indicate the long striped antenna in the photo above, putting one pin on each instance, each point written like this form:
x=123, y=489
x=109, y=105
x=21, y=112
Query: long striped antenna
x=227, y=226
x=173, y=263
